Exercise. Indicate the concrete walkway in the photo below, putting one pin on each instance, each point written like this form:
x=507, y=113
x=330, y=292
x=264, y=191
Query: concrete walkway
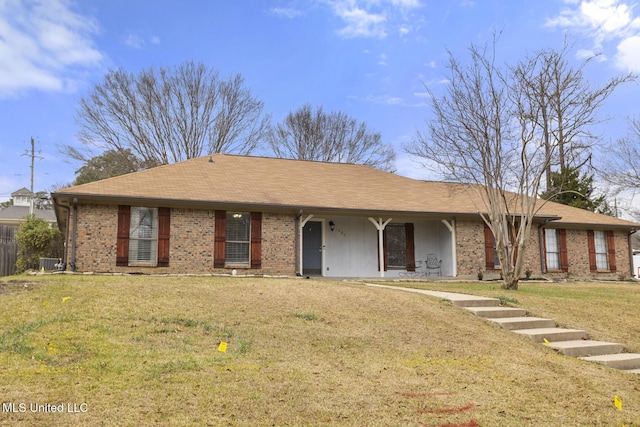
x=570, y=342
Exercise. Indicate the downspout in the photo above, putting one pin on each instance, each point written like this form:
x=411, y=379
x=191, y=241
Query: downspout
x=630, y=246
x=297, y=244
x=63, y=267
x=74, y=230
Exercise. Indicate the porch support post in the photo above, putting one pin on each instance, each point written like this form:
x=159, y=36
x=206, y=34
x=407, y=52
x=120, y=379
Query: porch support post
x=380, y=225
x=452, y=229
x=300, y=229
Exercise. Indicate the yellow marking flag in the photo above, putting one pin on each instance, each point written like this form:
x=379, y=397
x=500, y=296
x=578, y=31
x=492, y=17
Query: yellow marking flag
x=222, y=347
x=617, y=402
x=65, y=299
x=546, y=341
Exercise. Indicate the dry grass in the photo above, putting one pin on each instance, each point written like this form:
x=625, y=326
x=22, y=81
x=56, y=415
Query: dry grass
x=144, y=351
x=607, y=310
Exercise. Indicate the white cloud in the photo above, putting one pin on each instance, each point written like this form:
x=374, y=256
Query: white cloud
x=373, y=18
x=408, y=4
x=628, y=57
x=360, y=23
x=135, y=41
x=603, y=21
x=285, y=12
x=43, y=43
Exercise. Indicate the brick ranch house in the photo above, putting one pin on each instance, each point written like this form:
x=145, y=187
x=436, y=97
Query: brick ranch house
x=266, y=216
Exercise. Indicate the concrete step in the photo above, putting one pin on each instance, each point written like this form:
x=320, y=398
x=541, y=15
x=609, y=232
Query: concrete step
x=626, y=361
x=633, y=371
x=497, y=312
x=552, y=334
x=473, y=301
x=515, y=323
x=583, y=348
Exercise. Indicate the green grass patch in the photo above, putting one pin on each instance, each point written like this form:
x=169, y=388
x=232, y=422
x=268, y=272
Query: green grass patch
x=507, y=301
x=306, y=316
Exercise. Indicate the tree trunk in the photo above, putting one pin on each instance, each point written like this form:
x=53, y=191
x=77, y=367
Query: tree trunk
x=510, y=282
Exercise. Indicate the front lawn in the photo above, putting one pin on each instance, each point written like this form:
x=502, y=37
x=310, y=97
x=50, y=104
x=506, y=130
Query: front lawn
x=140, y=350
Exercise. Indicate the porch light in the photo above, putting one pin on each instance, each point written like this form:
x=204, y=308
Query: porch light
x=332, y=226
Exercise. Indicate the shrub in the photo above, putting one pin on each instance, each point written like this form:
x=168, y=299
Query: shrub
x=36, y=239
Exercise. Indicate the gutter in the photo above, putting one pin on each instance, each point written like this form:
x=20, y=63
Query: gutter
x=276, y=207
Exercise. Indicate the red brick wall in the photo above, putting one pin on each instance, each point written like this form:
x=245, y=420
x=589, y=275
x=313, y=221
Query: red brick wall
x=471, y=256
x=190, y=245
x=192, y=240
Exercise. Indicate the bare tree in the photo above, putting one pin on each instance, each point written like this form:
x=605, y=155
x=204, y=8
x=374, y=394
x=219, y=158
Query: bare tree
x=166, y=115
x=621, y=165
x=495, y=130
x=566, y=106
x=309, y=134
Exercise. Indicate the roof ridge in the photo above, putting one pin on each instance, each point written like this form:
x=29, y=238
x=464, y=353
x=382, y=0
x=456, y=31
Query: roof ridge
x=266, y=157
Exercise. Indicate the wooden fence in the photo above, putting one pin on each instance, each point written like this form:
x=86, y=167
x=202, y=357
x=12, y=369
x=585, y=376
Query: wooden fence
x=8, y=250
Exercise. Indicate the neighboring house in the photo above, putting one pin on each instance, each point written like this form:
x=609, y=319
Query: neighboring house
x=220, y=213
x=17, y=214
x=10, y=219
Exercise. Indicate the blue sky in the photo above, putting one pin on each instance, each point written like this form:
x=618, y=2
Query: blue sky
x=368, y=58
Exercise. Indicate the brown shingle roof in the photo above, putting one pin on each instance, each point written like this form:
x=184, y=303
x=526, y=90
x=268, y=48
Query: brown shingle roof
x=293, y=184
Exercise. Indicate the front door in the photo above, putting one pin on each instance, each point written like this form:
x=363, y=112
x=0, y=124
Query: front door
x=312, y=248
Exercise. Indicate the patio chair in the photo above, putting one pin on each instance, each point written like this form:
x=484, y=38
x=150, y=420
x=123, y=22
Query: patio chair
x=433, y=265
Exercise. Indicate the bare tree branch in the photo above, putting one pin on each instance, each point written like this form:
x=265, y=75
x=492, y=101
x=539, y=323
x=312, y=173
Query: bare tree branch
x=309, y=134
x=501, y=129
x=166, y=115
x=622, y=164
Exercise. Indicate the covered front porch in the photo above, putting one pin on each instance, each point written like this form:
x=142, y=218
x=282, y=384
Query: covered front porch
x=355, y=246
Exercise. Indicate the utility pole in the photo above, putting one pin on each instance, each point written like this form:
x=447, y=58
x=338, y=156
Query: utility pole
x=33, y=158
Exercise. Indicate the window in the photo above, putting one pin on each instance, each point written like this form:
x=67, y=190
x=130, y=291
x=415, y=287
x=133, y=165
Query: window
x=143, y=235
x=396, y=247
x=553, y=249
x=602, y=251
x=602, y=254
x=237, y=244
x=399, y=247
x=238, y=239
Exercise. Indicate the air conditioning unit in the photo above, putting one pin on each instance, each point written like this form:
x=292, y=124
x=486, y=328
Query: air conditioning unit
x=49, y=264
